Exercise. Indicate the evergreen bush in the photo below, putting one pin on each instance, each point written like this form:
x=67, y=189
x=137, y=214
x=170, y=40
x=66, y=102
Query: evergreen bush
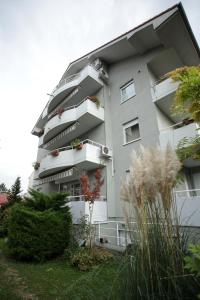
x=38, y=235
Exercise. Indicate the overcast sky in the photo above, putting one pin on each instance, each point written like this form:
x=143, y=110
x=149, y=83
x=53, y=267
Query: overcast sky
x=38, y=39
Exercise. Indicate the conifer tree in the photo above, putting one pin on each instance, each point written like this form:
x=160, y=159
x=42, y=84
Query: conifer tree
x=3, y=187
x=15, y=190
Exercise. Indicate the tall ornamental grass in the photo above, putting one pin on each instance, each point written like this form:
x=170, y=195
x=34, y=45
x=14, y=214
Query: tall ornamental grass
x=154, y=265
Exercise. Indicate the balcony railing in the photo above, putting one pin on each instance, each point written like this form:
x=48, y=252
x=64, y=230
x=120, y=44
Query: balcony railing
x=173, y=134
x=163, y=88
x=187, y=193
x=82, y=198
x=87, y=78
x=88, y=158
x=188, y=206
x=87, y=141
x=80, y=208
x=70, y=116
x=66, y=80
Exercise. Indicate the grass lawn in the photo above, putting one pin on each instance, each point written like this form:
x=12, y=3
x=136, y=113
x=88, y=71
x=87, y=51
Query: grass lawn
x=55, y=279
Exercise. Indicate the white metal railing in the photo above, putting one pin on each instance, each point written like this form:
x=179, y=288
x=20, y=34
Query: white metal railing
x=187, y=193
x=117, y=232
x=67, y=79
x=87, y=141
x=82, y=198
x=54, y=113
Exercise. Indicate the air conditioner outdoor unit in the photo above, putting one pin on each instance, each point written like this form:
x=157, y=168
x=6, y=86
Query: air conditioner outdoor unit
x=106, y=152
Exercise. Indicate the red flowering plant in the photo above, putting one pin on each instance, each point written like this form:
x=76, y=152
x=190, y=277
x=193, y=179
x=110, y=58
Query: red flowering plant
x=90, y=195
x=55, y=152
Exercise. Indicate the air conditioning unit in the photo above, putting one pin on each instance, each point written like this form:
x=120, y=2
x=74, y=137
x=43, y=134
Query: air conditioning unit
x=106, y=152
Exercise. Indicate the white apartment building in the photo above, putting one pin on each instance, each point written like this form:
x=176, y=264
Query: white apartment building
x=133, y=109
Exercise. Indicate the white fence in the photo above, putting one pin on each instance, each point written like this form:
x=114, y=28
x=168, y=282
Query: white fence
x=116, y=233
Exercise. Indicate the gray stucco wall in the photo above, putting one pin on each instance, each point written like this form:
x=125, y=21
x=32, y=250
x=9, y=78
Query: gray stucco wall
x=140, y=106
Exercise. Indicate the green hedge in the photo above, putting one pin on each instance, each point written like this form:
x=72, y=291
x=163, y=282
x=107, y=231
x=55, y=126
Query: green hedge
x=36, y=235
x=4, y=215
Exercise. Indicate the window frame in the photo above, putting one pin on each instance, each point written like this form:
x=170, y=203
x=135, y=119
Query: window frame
x=124, y=86
x=127, y=125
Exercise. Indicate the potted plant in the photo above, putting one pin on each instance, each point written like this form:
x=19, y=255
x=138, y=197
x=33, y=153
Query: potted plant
x=55, y=152
x=36, y=165
x=60, y=111
x=95, y=100
x=77, y=144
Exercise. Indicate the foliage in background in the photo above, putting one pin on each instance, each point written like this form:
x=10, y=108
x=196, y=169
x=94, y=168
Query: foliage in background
x=39, y=229
x=40, y=201
x=4, y=215
x=14, y=192
x=187, y=98
x=188, y=148
x=154, y=268
x=192, y=262
x=3, y=187
x=13, y=197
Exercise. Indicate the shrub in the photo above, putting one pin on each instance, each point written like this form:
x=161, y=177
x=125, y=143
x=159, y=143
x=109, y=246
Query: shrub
x=37, y=235
x=85, y=258
x=193, y=261
x=41, y=201
x=4, y=214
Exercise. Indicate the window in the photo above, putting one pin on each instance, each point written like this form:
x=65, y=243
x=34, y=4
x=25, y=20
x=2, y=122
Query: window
x=127, y=91
x=131, y=131
x=74, y=189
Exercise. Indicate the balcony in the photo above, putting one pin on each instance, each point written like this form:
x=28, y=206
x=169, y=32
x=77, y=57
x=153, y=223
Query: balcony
x=66, y=176
x=79, y=208
x=88, y=158
x=87, y=78
x=187, y=202
x=174, y=134
x=163, y=94
x=84, y=116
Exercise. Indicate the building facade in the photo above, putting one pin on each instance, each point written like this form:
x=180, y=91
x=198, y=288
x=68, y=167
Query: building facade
x=111, y=101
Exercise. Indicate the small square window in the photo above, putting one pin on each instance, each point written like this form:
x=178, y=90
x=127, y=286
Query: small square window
x=131, y=131
x=127, y=91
